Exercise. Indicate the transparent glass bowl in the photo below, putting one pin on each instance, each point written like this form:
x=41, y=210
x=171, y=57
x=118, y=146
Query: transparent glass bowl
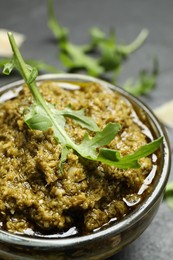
x=103, y=243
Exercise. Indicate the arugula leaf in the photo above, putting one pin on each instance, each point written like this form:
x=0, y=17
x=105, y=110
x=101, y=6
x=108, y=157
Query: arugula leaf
x=36, y=118
x=98, y=36
x=88, y=145
x=168, y=196
x=42, y=115
x=110, y=58
x=131, y=160
x=74, y=57
x=80, y=118
x=102, y=56
x=112, y=54
x=77, y=115
x=145, y=83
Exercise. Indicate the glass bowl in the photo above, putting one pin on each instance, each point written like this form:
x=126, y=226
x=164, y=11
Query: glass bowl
x=104, y=243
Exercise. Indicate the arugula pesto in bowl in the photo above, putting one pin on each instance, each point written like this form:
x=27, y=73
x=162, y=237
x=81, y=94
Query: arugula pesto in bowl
x=42, y=195
x=83, y=166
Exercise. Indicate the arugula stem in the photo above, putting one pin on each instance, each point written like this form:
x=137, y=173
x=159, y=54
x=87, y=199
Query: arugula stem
x=25, y=72
x=133, y=46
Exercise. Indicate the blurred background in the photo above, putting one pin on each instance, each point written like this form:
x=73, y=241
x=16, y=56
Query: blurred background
x=128, y=18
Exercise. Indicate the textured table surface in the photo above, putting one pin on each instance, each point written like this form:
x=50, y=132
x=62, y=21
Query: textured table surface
x=128, y=17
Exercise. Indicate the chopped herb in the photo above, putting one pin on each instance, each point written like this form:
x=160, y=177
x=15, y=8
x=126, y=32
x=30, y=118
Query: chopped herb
x=43, y=115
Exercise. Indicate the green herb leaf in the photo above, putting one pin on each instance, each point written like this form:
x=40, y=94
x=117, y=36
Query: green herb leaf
x=37, y=119
x=78, y=115
x=88, y=145
x=97, y=36
x=112, y=55
x=169, y=194
x=131, y=160
x=113, y=158
x=110, y=58
x=80, y=118
x=74, y=57
x=102, y=57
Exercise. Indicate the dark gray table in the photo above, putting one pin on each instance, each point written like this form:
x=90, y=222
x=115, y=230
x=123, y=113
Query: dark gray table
x=128, y=17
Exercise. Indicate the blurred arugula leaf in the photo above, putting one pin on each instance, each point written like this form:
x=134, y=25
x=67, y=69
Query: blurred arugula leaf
x=111, y=54
x=74, y=57
x=102, y=56
x=109, y=57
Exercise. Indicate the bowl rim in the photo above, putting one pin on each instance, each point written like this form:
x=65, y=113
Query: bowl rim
x=132, y=218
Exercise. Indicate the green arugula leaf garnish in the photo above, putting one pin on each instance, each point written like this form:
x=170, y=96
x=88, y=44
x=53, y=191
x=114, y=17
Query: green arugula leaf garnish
x=80, y=118
x=77, y=115
x=131, y=160
x=42, y=116
x=89, y=145
x=168, y=196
